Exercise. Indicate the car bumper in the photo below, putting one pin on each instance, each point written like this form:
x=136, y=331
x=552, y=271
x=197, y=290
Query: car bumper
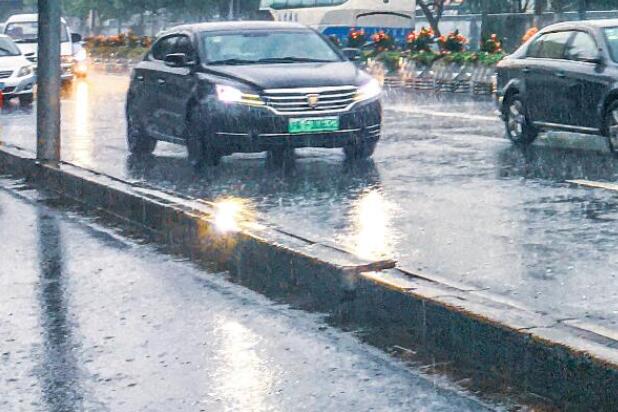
x=18, y=86
x=239, y=128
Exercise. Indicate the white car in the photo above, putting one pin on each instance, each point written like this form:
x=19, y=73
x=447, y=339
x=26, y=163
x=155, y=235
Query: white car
x=17, y=78
x=24, y=29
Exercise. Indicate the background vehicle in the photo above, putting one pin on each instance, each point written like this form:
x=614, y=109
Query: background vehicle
x=337, y=17
x=17, y=77
x=24, y=29
x=564, y=78
x=222, y=88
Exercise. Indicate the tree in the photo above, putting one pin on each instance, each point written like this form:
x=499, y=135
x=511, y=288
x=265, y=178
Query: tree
x=433, y=10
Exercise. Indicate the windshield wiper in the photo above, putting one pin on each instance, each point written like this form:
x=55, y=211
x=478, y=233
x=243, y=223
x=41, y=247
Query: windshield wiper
x=231, y=62
x=291, y=59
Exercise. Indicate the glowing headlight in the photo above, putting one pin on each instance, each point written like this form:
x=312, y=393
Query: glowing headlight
x=229, y=94
x=24, y=71
x=369, y=90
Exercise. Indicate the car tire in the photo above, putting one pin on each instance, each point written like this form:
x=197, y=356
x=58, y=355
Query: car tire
x=518, y=126
x=610, y=126
x=360, y=151
x=26, y=101
x=199, y=152
x=138, y=141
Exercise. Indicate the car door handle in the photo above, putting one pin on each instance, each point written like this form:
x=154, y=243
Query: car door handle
x=526, y=70
x=139, y=77
x=161, y=81
x=560, y=74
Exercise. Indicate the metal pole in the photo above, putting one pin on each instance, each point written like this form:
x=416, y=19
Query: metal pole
x=48, y=81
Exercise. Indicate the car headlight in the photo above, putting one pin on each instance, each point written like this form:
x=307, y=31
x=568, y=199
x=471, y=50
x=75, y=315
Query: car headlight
x=229, y=94
x=24, y=71
x=368, y=91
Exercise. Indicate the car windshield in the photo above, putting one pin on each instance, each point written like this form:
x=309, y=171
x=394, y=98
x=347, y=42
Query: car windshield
x=8, y=48
x=28, y=32
x=262, y=47
x=612, y=39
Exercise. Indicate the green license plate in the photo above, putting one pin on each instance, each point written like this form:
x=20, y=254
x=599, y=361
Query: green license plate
x=313, y=125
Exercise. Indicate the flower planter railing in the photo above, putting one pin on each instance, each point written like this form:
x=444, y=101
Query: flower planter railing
x=443, y=76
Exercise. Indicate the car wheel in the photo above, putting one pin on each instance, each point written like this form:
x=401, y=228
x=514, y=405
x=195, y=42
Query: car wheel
x=199, y=152
x=611, y=126
x=25, y=101
x=138, y=141
x=518, y=127
x=360, y=151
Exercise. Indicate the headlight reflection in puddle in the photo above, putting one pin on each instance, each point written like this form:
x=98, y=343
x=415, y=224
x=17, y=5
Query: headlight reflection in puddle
x=372, y=236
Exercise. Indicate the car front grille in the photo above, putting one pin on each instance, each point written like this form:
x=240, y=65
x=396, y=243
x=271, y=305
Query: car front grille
x=5, y=74
x=310, y=100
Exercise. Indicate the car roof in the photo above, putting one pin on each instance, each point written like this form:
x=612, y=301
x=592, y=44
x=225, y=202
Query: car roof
x=583, y=24
x=23, y=18
x=235, y=26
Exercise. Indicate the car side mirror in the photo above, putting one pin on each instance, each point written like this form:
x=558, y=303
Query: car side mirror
x=352, y=54
x=76, y=38
x=176, y=60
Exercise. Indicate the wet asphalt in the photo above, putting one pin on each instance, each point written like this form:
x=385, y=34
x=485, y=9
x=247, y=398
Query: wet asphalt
x=446, y=195
x=92, y=321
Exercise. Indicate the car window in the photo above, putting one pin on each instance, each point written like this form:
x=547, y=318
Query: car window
x=582, y=47
x=262, y=46
x=185, y=46
x=550, y=45
x=8, y=48
x=28, y=32
x=611, y=34
x=163, y=47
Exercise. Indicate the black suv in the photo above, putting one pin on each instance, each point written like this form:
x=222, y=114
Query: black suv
x=221, y=88
x=565, y=78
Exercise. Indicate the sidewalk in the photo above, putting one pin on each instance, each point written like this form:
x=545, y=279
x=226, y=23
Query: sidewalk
x=92, y=321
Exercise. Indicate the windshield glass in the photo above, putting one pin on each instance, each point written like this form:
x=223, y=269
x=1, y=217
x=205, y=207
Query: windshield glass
x=255, y=47
x=28, y=32
x=8, y=48
x=612, y=40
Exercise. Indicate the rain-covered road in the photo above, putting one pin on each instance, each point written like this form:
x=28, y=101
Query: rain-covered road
x=91, y=321
x=446, y=195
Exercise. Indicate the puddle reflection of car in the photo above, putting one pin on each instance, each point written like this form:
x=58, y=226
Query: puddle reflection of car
x=17, y=77
x=564, y=78
x=222, y=88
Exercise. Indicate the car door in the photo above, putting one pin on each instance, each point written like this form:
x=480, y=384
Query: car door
x=587, y=80
x=178, y=86
x=543, y=82
x=159, y=126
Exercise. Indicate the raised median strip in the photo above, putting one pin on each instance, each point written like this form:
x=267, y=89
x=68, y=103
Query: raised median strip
x=570, y=362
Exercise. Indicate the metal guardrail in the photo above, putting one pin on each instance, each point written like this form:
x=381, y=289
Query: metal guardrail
x=441, y=76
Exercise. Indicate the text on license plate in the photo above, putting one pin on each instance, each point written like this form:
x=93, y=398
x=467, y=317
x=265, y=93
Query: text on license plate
x=313, y=125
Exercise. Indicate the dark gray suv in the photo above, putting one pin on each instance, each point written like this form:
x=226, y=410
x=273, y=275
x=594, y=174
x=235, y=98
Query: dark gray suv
x=564, y=78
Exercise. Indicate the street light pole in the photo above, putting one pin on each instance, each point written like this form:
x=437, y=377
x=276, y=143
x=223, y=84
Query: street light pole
x=48, y=81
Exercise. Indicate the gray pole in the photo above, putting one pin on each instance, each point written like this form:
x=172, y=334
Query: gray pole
x=48, y=81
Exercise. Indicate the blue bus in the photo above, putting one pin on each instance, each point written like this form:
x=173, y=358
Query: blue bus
x=337, y=17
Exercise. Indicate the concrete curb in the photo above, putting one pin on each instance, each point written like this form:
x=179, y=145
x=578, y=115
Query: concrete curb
x=573, y=365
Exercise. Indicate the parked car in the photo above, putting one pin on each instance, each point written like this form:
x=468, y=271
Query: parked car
x=221, y=88
x=564, y=78
x=17, y=77
x=24, y=29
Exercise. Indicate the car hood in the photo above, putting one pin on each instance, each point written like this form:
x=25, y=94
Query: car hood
x=13, y=62
x=32, y=49
x=292, y=75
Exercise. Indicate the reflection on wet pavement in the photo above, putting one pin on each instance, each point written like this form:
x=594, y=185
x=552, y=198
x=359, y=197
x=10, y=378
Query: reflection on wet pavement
x=92, y=321
x=445, y=196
